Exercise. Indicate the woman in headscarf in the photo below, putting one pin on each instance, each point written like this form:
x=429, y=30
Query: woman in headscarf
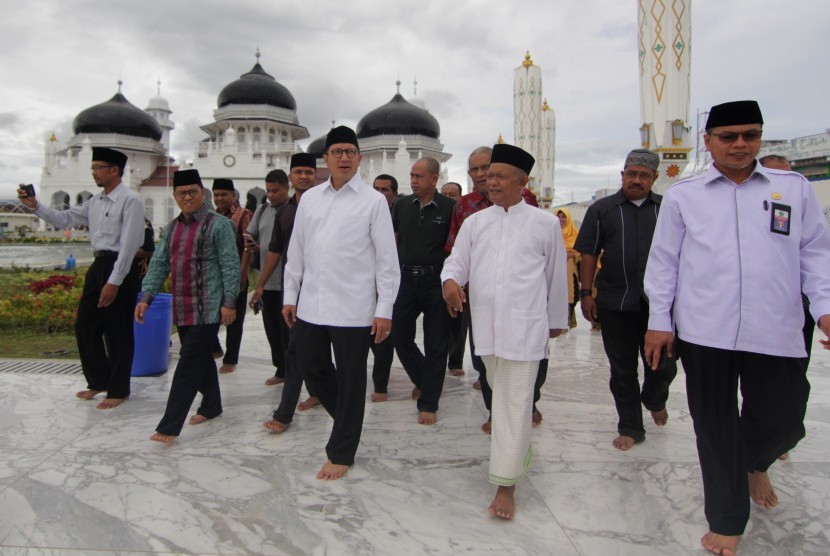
x=569, y=233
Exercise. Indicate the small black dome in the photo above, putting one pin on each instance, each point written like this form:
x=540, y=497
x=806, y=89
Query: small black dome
x=317, y=147
x=398, y=117
x=256, y=87
x=117, y=115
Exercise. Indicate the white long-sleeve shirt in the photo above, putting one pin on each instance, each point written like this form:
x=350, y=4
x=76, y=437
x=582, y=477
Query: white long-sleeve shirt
x=116, y=223
x=342, y=265
x=734, y=282
x=515, y=263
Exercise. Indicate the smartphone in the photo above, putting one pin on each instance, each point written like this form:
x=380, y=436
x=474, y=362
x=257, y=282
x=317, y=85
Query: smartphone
x=257, y=306
x=30, y=190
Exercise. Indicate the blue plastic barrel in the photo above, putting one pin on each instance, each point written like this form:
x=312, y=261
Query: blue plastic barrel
x=152, y=339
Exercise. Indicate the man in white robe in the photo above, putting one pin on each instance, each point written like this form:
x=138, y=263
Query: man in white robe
x=513, y=257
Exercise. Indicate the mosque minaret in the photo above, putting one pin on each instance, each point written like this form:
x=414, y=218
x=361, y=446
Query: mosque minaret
x=664, y=43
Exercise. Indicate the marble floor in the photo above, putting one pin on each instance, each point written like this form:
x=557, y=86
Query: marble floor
x=77, y=480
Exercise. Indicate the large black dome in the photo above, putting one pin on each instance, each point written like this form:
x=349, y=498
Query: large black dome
x=117, y=115
x=398, y=117
x=317, y=147
x=256, y=87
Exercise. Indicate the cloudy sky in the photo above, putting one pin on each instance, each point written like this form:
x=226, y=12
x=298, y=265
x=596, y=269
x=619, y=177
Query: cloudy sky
x=341, y=59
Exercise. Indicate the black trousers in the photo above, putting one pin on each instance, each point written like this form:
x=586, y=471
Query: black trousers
x=341, y=391
x=233, y=332
x=623, y=336
x=275, y=329
x=293, y=385
x=731, y=443
x=417, y=295
x=383, y=352
x=196, y=372
x=458, y=339
x=105, y=335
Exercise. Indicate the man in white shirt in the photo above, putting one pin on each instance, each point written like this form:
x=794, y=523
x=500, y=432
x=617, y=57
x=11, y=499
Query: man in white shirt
x=115, y=219
x=732, y=250
x=341, y=279
x=513, y=257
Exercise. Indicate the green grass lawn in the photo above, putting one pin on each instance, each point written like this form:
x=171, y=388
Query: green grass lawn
x=24, y=344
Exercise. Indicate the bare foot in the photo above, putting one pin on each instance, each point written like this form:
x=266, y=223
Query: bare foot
x=720, y=544
x=379, y=396
x=87, y=394
x=477, y=385
x=623, y=442
x=503, y=505
x=218, y=354
x=332, y=471
x=197, y=419
x=537, y=417
x=761, y=491
x=427, y=418
x=109, y=403
x=307, y=404
x=275, y=426
x=416, y=393
x=486, y=427
x=660, y=417
x=164, y=438
x=274, y=380
x=456, y=372
x=784, y=457
x=227, y=368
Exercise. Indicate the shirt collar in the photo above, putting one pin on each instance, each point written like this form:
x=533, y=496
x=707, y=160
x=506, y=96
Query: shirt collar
x=620, y=198
x=713, y=174
x=116, y=193
x=354, y=183
x=432, y=202
x=197, y=216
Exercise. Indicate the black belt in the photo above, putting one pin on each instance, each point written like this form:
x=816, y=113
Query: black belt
x=100, y=254
x=421, y=270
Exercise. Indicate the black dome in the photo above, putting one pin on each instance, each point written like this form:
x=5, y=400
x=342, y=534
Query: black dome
x=317, y=147
x=117, y=115
x=256, y=87
x=398, y=117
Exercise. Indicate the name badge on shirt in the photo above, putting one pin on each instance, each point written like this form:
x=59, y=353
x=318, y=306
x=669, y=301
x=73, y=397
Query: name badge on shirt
x=780, y=223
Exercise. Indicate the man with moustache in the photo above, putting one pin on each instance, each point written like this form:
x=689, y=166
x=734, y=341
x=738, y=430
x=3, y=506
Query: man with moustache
x=226, y=201
x=103, y=327
x=513, y=258
x=733, y=249
x=421, y=222
x=198, y=249
x=341, y=279
x=620, y=227
x=388, y=186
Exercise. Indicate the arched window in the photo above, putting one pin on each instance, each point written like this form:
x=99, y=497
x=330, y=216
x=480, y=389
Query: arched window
x=257, y=133
x=240, y=135
x=272, y=136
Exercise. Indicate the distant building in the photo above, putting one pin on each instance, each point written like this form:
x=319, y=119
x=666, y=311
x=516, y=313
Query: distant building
x=809, y=156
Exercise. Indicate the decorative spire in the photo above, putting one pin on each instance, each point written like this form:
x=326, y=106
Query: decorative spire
x=119, y=85
x=500, y=140
x=158, y=86
x=527, y=62
x=257, y=55
x=415, y=86
x=53, y=138
x=545, y=106
x=398, y=84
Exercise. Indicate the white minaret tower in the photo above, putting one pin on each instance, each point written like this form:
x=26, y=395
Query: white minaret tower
x=665, y=33
x=159, y=108
x=527, y=114
x=547, y=155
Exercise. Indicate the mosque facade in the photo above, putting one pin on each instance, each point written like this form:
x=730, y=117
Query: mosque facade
x=255, y=129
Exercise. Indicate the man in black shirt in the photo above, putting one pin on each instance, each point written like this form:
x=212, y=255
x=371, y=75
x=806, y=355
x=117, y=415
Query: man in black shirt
x=422, y=224
x=620, y=227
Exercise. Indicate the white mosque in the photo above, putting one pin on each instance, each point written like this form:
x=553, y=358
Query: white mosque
x=255, y=130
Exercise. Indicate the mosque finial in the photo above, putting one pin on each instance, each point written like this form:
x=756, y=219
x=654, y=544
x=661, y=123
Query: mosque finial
x=398, y=85
x=257, y=55
x=545, y=106
x=527, y=62
x=119, y=85
x=500, y=140
x=415, y=86
x=158, y=86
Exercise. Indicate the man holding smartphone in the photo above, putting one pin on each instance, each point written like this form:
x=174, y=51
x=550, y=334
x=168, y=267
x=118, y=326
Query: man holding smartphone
x=619, y=228
x=115, y=218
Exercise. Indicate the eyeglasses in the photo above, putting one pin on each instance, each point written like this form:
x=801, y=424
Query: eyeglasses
x=337, y=153
x=732, y=136
x=96, y=167
x=192, y=193
x=476, y=169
